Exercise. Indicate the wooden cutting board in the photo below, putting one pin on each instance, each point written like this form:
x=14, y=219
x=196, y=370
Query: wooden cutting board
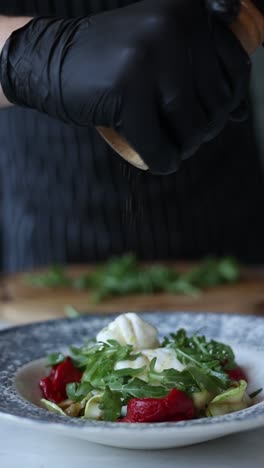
x=22, y=303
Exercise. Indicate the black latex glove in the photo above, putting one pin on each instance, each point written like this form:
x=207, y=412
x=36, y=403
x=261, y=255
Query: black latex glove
x=160, y=72
x=228, y=10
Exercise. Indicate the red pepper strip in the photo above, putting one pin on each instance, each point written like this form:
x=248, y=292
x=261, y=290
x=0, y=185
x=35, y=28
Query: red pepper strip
x=64, y=374
x=237, y=374
x=52, y=372
x=177, y=406
x=48, y=391
x=54, y=386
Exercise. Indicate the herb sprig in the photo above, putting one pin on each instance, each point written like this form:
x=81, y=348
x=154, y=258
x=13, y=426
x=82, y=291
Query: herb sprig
x=201, y=352
x=124, y=275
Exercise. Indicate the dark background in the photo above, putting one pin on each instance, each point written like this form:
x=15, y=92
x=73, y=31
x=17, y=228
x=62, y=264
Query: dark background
x=257, y=93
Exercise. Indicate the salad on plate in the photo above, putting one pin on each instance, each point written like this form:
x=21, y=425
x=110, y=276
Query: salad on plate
x=127, y=374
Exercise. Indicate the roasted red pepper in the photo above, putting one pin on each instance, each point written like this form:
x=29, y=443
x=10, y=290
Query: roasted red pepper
x=65, y=373
x=177, y=406
x=48, y=390
x=53, y=387
x=237, y=374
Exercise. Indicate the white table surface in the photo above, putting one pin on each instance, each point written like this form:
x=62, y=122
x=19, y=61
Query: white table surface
x=24, y=448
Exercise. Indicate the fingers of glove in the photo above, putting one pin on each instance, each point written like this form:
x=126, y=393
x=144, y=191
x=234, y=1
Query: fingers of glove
x=234, y=61
x=241, y=113
x=195, y=94
x=210, y=83
x=186, y=123
x=189, y=127
x=189, y=124
x=209, y=78
x=185, y=117
x=143, y=129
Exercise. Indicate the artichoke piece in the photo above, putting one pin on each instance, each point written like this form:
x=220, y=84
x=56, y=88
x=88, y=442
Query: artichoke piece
x=52, y=407
x=92, y=408
x=201, y=400
x=234, y=399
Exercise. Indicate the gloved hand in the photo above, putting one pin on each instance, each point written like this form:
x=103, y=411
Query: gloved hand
x=159, y=72
x=245, y=19
x=228, y=10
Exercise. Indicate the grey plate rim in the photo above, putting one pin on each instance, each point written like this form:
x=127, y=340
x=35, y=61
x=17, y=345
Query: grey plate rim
x=42, y=417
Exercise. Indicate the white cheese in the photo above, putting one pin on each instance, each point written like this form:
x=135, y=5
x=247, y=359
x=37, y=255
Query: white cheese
x=139, y=362
x=130, y=329
x=166, y=359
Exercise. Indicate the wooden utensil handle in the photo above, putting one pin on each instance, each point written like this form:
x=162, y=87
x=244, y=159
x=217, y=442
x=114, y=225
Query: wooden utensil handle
x=121, y=146
x=249, y=27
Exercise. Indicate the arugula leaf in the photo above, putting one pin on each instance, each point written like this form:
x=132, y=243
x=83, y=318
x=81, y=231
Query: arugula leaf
x=209, y=380
x=183, y=286
x=53, y=278
x=127, y=372
x=54, y=359
x=123, y=352
x=90, y=353
x=219, y=378
x=172, y=378
x=191, y=380
x=98, y=371
x=199, y=349
x=213, y=272
x=206, y=360
x=71, y=312
x=124, y=275
x=77, y=392
x=98, y=360
x=256, y=393
x=111, y=404
x=187, y=358
x=138, y=388
x=83, y=282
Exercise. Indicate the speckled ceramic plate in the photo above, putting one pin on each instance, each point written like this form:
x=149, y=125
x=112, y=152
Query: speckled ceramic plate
x=22, y=350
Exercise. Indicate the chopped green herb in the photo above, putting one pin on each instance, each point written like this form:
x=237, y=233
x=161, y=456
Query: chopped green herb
x=98, y=361
x=77, y=392
x=256, y=393
x=71, y=312
x=197, y=349
x=122, y=276
x=55, y=277
x=191, y=380
x=137, y=388
x=54, y=359
x=111, y=404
